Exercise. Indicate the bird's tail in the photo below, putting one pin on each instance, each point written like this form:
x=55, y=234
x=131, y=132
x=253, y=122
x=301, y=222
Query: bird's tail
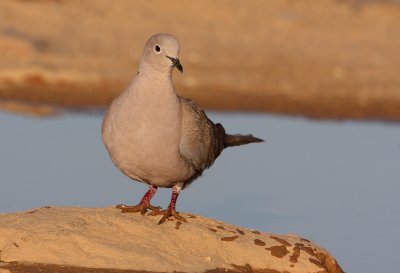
x=237, y=140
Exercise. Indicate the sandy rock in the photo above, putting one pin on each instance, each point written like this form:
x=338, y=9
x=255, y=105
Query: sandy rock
x=105, y=238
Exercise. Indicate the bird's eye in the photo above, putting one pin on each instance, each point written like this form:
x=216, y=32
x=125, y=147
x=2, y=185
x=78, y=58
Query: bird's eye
x=157, y=48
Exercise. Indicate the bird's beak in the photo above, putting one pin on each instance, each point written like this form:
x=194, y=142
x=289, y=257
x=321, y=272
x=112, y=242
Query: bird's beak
x=176, y=63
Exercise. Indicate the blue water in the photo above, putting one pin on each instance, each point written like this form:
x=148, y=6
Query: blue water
x=336, y=183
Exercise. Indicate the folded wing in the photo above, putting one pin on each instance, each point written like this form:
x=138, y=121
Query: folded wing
x=202, y=141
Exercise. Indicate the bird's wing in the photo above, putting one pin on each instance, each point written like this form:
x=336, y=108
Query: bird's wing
x=201, y=141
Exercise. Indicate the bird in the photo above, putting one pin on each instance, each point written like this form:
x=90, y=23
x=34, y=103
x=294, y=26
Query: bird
x=159, y=138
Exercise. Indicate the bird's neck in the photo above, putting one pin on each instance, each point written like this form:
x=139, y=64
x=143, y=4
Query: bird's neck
x=153, y=87
x=155, y=70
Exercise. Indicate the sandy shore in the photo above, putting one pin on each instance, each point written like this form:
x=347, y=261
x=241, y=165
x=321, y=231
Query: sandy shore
x=330, y=59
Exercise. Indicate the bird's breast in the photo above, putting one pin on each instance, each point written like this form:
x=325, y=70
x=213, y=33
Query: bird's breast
x=142, y=135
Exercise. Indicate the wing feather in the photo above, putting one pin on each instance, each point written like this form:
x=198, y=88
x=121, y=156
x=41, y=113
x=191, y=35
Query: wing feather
x=201, y=141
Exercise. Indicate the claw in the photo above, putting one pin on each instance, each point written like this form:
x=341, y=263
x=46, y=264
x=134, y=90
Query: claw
x=170, y=212
x=144, y=204
x=142, y=208
x=154, y=211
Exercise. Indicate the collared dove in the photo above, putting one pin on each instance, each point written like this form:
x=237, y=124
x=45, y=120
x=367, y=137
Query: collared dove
x=159, y=138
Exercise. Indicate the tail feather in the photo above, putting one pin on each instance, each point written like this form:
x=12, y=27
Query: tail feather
x=236, y=140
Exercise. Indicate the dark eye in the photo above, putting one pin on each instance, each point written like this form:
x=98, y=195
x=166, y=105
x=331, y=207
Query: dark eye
x=157, y=48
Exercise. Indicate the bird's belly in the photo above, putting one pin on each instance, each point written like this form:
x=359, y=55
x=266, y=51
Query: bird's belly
x=154, y=167
x=146, y=157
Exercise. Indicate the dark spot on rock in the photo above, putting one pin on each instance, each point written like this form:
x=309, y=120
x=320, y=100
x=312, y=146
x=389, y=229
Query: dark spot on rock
x=309, y=250
x=259, y=242
x=171, y=219
x=212, y=229
x=223, y=228
x=328, y=263
x=280, y=240
x=305, y=240
x=244, y=269
x=292, y=265
x=240, y=231
x=256, y=232
x=15, y=244
x=178, y=224
x=299, y=244
x=295, y=255
x=278, y=251
x=317, y=263
x=229, y=239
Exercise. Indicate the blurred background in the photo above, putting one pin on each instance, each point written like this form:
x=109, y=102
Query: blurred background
x=319, y=80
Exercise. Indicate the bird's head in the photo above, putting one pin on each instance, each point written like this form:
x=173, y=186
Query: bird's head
x=161, y=52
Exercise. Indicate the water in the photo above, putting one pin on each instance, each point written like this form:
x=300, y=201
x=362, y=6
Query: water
x=336, y=183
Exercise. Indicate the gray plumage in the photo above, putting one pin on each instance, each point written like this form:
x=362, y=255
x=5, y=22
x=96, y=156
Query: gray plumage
x=202, y=141
x=157, y=137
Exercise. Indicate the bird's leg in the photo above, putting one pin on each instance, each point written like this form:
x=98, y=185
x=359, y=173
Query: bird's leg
x=171, y=208
x=143, y=205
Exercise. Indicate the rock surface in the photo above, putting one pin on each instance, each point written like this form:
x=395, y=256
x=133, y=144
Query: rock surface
x=326, y=59
x=79, y=239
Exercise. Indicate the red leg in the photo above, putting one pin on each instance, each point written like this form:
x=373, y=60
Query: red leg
x=174, y=197
x=143, y=205
x=148, y=195
x=171, y=208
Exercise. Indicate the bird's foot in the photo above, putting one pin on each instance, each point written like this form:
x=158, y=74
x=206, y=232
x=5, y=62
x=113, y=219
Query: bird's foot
x=142, y=208
x=168, y=213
